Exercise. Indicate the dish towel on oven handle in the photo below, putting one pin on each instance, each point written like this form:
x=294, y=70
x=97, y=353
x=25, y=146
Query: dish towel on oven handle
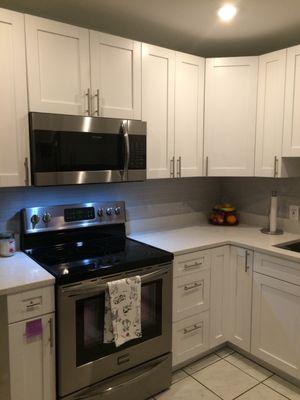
x=122, y=321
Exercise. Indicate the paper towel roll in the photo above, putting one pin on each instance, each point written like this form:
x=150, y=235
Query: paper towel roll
x=273, y=212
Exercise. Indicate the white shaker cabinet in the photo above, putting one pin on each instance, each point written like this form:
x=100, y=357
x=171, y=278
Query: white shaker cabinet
x=220, y=296
x=158, y=79
x=115, y=76
x=230, y=116
x=276, y=323
x=189, y=109
x=32, y=361
x=58, y=62
x=291, y=137
x=270, y=114
x=241, y=272
x=13, y=101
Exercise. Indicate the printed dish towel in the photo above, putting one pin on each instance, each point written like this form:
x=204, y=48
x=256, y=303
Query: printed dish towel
x=122, y=320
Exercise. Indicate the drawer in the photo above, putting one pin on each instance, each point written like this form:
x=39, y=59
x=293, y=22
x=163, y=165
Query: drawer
x=30, y=304
x=191, y=294
x=191, y=262
x=277, y=267
x=190, y=338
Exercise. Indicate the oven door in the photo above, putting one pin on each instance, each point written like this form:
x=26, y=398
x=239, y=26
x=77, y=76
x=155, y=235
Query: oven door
x=83, y=358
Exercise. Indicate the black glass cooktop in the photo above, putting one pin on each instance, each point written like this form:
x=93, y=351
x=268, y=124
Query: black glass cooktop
x=77, y=260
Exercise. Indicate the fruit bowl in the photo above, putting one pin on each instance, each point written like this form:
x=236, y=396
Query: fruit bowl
x=224, y=214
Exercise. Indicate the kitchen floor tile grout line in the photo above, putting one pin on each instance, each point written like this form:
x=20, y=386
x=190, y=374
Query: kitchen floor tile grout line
x=210, y=390
x=224, y=358
x=247, y=372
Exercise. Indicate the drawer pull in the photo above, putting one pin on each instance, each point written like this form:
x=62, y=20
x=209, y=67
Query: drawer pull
x=191, y=329
x=196, y=264
x=192, y=286
x=32, y=306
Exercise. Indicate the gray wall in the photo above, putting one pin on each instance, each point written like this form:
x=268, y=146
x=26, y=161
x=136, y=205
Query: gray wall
x=252, y=195
x=148, y=199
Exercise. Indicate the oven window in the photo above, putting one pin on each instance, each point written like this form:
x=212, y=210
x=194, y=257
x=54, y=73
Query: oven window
x=73, y=151
x=90, y=323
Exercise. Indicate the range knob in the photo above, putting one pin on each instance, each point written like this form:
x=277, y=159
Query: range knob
x=109, y=211
x=34, y=220
x=100, y=212
x=118, y=210
x=46, y=218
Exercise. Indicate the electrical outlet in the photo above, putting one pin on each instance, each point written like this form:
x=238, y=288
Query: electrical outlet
x=294, y=213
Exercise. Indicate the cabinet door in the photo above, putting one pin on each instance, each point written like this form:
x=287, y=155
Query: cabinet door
x=219, y=296
x=116, y=75
x=32, y=361
x=241, y=261
x=58, y=65
x=189, y=109
x=190, y=338
x=158, y=74
x=270, y=113
x=291, y=135
x=276, y=323
x=230, y=116
x=13, y=100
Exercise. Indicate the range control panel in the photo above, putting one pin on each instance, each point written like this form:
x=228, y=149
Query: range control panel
x=53, y=218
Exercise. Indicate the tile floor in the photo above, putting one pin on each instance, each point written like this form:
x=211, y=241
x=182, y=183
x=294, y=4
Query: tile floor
x=228, y=375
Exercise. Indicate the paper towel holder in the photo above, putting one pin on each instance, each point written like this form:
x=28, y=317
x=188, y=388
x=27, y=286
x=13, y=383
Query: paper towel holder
x=273, y=216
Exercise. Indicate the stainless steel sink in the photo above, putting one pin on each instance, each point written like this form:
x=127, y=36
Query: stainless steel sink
x=292, y=246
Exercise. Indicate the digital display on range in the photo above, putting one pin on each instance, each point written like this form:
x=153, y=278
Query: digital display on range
x=79, y=214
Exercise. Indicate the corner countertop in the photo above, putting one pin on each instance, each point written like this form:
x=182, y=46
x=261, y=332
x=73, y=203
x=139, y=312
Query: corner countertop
x=20, y=273
x=200, y=237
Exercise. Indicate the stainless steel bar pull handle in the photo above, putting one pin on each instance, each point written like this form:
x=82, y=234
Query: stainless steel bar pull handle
x=97, y=95
x=206, y=166
x=51, y=334
x=192, y=286
x=88, y=96
x=196, y=264
x=179, y=167
x=246, y=261
x=26, y=165
x=275, y=167
x=172, y=167
x=192, y=328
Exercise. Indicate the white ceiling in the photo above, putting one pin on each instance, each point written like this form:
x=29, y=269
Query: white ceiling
x=186, y=25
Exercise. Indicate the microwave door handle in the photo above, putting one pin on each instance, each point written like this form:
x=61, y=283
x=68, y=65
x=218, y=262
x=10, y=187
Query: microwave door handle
x=127, y=148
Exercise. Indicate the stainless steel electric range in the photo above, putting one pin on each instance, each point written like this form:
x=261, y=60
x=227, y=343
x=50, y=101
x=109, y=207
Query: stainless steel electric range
x=84, y=246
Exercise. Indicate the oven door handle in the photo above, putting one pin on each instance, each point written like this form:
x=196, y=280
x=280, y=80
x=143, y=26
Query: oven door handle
x=97, y=391
x=100, y=287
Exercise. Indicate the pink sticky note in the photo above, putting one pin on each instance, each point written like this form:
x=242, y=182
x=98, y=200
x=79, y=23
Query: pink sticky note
x=34, y=328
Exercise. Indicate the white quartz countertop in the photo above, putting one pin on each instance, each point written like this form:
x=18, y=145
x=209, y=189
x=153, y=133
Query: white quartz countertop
x=200, y=237
x=20, y=273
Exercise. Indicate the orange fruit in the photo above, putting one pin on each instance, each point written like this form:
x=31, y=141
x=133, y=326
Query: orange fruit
x=231, y=219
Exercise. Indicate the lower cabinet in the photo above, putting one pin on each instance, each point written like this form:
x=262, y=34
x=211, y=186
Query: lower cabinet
x=190, y=337
x=276, y=323
x=31, y=344
x=219, y=296
x=241, y=271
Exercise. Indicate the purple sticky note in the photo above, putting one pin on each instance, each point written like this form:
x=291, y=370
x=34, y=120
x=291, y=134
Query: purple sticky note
x=34, y=328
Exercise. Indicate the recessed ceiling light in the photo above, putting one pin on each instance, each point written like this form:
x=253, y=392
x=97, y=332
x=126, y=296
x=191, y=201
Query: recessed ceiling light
x=227, y=12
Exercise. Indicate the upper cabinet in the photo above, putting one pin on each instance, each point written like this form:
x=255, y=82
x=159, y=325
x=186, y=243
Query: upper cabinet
x=158, y=80
x=58, y=67
x=270, y=114
x=189, y=108
x=291, y=138
x=74, y=71
x=13, y=101
x=115, y=76
x=230, y=116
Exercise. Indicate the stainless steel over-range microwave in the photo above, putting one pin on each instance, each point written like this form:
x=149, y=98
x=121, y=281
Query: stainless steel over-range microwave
x=68, y=149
